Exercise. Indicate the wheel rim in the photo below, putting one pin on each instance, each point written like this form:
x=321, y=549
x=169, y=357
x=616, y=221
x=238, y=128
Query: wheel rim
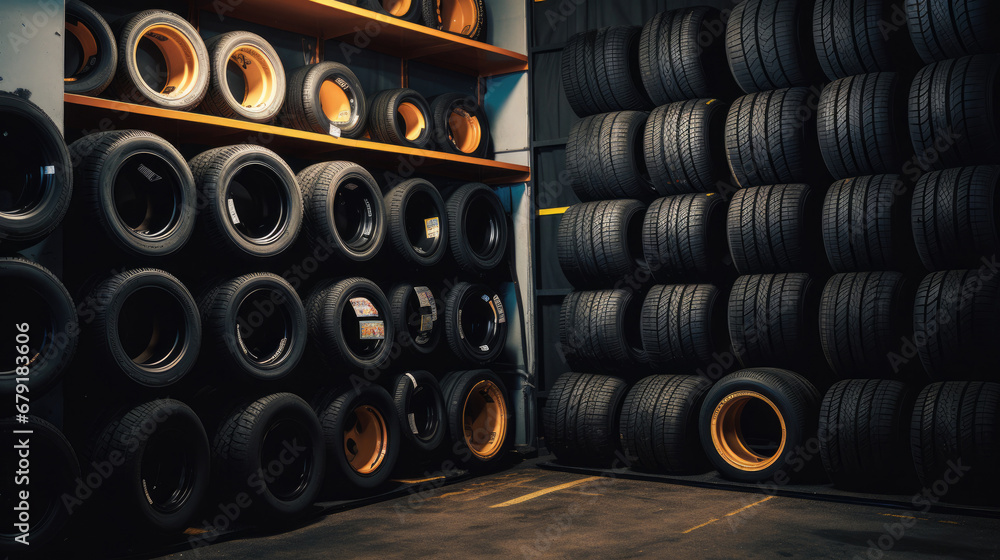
x=414, y=121
x=281, y=458
x=167, y=471
x=479, y=320
x=257, y=203
x=729, y=424
x=418, y=223
x=81, y=50
x=482, y=227
x=366, y=439
x=152, y=329
x=484, y=419
x=147, y=196
x=264, y=327
x=168, y=63
x=458, y=16
x=423, y=416
x=361, y=333
x=354, y=215
x=26, y=304
x=465, y=131
x=28, y=166
x=397, y=8
x=251, y=78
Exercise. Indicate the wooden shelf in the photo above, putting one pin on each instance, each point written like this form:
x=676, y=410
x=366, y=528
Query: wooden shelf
x=91, y=114
x=365, y=29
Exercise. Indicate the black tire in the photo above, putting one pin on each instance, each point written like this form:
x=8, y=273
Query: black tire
x=279, y=434
x=773, y=229
x=600, y=331
x=34, y=296
x=406, y=10
x=953, y=112
x=954, y=217
x=160, y=464
x=475, y=323
x=91, y=54
x=145, y=327
x=362, y=437
x=684, y=238
x=866, y=224
x=350, y=324
x=600, y=243
x=942, y=29
x=459, y=125
x=35, y=161
x=415, y=318
x=760, y=424
x=864, y=434
x=860, y=37
x=773, y=320
x=659, y=424
x=862, y=317
x=956, y=316
x=254, y=206
x=581, y=418
x=477, y=228
x=53, y=491
x=418, y=222
x=420, y=408
x=605, y=158
x=769, y=46
x=255, y=327
x=683, y=327
x=461, y=17
x=573, y=67
x=401, y=117
x=616, y=62
x=480, y=417
x=345, y=213
x=862, y=125
x=685, y=146
x=136, y=81
x=244, y=64
x=326, y=98
x=771, y=138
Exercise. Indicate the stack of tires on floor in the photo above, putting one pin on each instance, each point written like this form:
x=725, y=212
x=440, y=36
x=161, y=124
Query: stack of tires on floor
x=907, y=394
x=216, y=352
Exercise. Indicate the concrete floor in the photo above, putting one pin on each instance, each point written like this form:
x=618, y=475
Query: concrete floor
x=528, y=512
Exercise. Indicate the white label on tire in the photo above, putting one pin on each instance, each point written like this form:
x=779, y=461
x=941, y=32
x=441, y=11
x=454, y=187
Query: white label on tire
x=363, y=307
x=334, y=130
x=426, y=299
x=461, y=333
x=412, y=379
x=484, y=348
x=426, y=323
x=49, y=170
x=232, y=212
x=433, y=227
x=413, y=423
x=498, y=307
x=372, y=330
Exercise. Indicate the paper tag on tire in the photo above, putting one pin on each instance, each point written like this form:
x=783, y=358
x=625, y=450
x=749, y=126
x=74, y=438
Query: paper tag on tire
x=426, y=322
x=372, y=330
x=498, y=307
x=363, y=307
x=433, y=227
x=334, y=130
x=426, y=299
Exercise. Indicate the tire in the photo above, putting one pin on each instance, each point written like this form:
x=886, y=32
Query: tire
x=773, y=320
x=864, y=434
x=182, y=90
x=683, y=327
x=581, y=418
x=415, y=318
x=862, y=317
x=475, y=323
x=573, y=68
x=255, y=434
x=161, y=465
x=234, y=345
x=91, y=54
x=350, y=324
x=950, y=112
x=478, y=230
x=862, y=125
x=866, y=226
x=145, y=327
x=418, y=222
x=326, y=98
x=243, y=185
x=420, y=408
x=600, y=331
x=860, y=37
x=772, y=229
x=480, y=417
x=459, y=125
x=616, y=57
x=768, y=140
x=685, y=147
x=605, y=158
x=401, y=117
x=362, y=438
x=34, y=296
x=738, y=420
x=769, y=46
x=943, y=29
x=52, y=487
x=461, y=17
x=659, y=424
x=955, y=317
x=345, y=212
x=406, y=10
x=954, y=217
x=600, y=243
x=247, y=62
x=683, y=238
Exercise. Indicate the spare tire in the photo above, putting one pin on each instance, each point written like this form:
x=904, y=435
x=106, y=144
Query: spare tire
x=350, y=323
x=326, y=98
x=477, y=227
x=415, y=318
x=684, y=238
x=480, y=417
x=581, y=418
x=248, y=80
x=459, y=125
x=659, y=424
x=420, y=408
x=475, y=323
x=461, y=17
x=345, y=212
x=362, y=436
x=91, y=54
x=401, y=117
x=866, y=225
x=769, y=45
x=418, y=222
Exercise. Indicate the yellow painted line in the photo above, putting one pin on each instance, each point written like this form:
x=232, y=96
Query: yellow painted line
x=534, y=495
x=949, y=522
x=709, y=522
x=552, y=211
x=194, y=531
x=730, y=514
x=905, y=516
x=417, y=481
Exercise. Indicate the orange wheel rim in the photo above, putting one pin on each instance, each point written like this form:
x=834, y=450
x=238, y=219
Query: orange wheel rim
x=397, y=7
x=727, y=432
x=335, y=102
x=466, y=132
x=258, y=74
x=458, y=16
x=484, y=419
x=180, y=56
x=87, y=41
x=414, y=121
x=366, y=439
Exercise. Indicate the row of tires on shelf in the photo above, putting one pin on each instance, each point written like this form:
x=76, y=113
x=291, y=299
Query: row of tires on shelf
x=226, y=459
x=239, y=75
x=773, y=427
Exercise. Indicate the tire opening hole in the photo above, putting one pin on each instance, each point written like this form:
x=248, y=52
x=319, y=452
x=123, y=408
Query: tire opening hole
x=152, y=329
x=264, y=326
x=482, y=227
x=288, y=472
x=147, y=196
x=167, y=62
x=27, y=165
x=25, y=304
x=484, y=419
x=414, y=121
x=419, y=209
x=168, y=470
x=366, y=439
x=748, y=431
x=80, y=50
x=257, y=202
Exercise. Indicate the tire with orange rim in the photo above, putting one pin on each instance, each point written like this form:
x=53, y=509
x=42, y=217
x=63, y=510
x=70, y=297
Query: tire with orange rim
x=459, y=125
x=362, y=435
x=161, y=61
x=91, y=53
x=326, y=98
x=760, y=425
x=461, y=17
x=407, y=10
x=480, y=419
x=401, y=117
x=247, y=78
